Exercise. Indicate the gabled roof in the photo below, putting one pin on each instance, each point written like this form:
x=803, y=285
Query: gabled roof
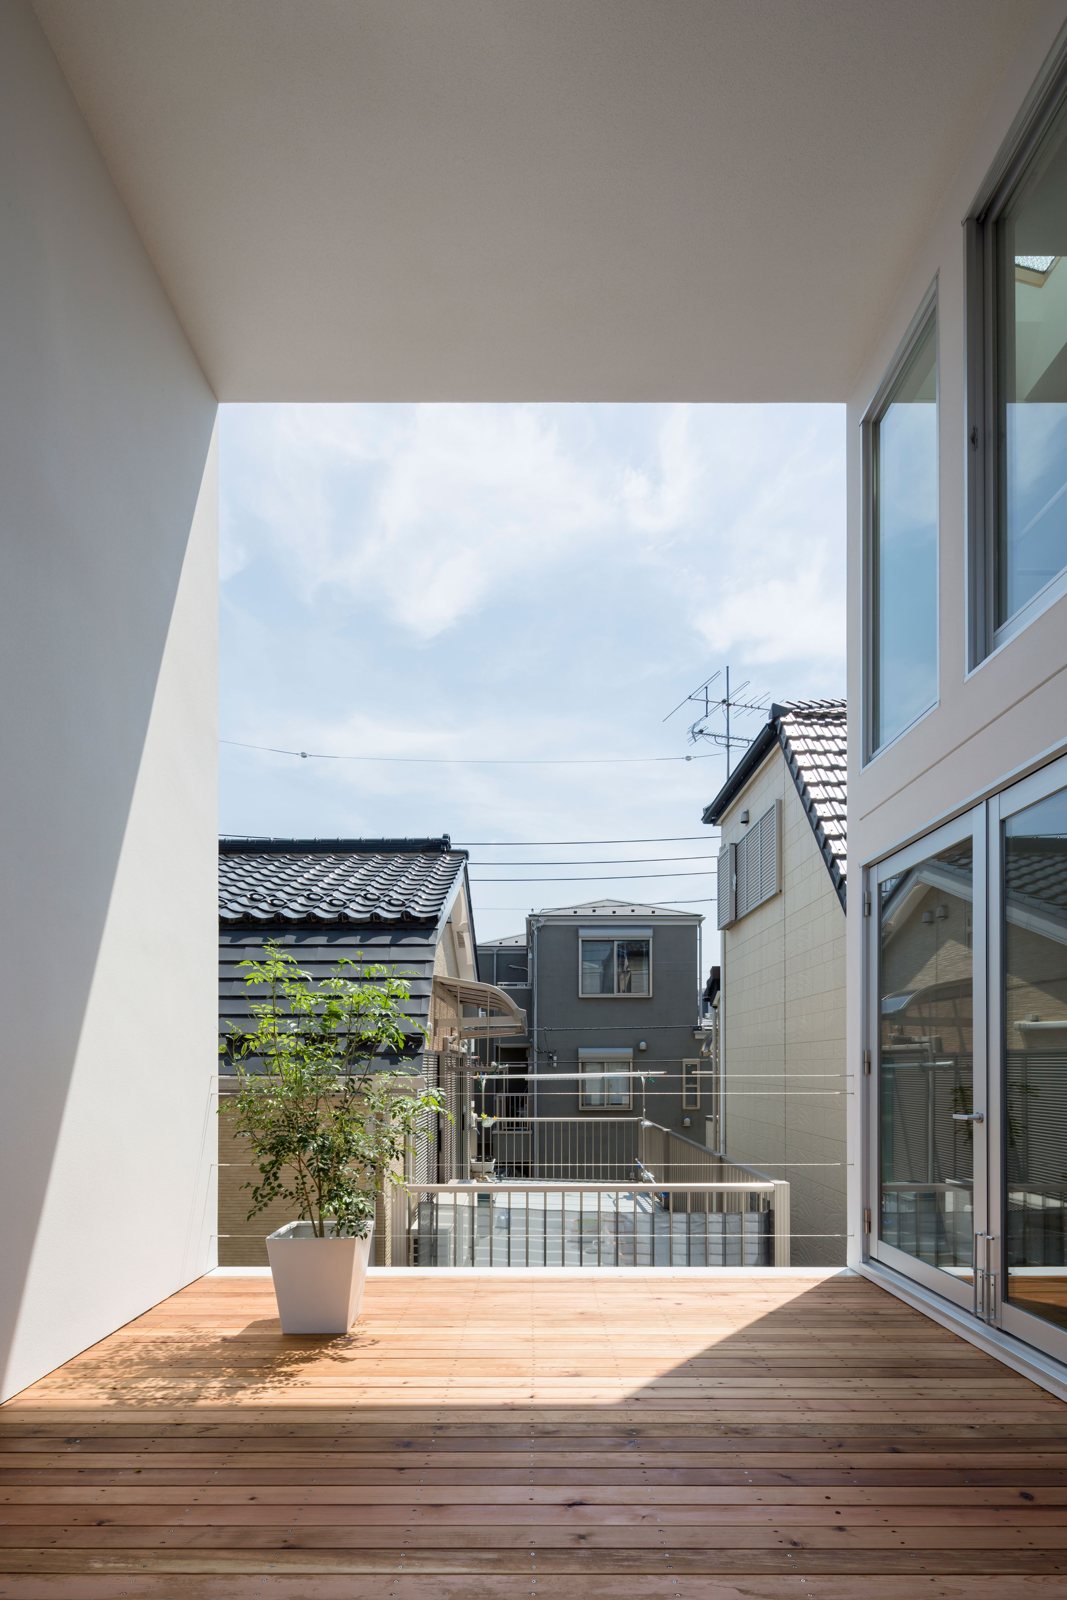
x=614, y=908
x=813, y=737
x=339, y=882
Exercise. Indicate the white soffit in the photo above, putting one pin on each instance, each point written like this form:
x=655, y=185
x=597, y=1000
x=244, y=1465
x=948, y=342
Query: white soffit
x=532, y=199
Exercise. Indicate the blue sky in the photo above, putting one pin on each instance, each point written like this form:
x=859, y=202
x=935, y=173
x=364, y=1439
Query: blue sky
x=517, y=581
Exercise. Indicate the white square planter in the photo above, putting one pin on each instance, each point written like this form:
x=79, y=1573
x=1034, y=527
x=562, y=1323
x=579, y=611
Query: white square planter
x=318, y=1283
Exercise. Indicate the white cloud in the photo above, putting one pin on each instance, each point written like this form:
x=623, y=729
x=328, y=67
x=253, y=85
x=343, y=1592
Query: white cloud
x=658, y=504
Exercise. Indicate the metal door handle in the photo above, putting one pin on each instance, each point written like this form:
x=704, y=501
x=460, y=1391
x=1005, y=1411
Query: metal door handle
x=968, y=1116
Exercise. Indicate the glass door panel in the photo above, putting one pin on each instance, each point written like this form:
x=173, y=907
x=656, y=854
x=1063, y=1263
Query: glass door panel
x=1033, y=1030
x=929, y=1106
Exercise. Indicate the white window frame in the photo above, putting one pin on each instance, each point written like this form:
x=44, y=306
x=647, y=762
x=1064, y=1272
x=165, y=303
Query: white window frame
x=691, y=1085
x=615, y=937
x=984, y=636
x=916, y=330
x=605, y=1061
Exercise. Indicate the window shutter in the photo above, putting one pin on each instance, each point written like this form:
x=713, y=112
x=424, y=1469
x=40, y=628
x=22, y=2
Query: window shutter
x=769, y=852
x=743, y=875
x=725, y=886
x=757, y=866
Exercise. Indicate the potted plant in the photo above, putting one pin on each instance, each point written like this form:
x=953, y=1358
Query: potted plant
x=327, y=1123
x=483, y=1164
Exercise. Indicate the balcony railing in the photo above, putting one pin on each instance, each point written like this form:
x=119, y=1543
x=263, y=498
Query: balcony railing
x=597, y=1224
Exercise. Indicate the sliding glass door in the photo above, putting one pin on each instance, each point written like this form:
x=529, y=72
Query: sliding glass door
x=967, y=1107
x=928, y=1102
x=1028, y=1019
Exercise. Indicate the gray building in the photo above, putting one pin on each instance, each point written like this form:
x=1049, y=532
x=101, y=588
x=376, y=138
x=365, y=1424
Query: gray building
x=612, y=994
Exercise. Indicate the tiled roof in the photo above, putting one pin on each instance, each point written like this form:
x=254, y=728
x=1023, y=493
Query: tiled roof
x=813, y=738
x=336, y=882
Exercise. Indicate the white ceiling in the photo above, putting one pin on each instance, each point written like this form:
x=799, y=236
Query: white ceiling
x=532, y=199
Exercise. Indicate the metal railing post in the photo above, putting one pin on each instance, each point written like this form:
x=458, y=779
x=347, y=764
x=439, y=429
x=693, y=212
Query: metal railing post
x=782, y=1232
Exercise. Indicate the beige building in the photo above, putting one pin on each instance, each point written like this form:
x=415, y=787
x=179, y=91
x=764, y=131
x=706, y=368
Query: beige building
x=781, y=1092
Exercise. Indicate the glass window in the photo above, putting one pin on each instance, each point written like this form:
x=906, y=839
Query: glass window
x=631, y=966
x=605, y=1085
x=1030, y=292
x=616, y=966
x=1035, y=1055
x=690, y=1085
x=598, y=966
x=926, y=1062
x=903, y=545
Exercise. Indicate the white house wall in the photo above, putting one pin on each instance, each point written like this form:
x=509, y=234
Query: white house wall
x=107, y=726
x=783, y=1024
x=1013, y=709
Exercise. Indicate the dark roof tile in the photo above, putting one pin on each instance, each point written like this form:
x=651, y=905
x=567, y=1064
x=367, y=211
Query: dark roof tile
x=336, y=881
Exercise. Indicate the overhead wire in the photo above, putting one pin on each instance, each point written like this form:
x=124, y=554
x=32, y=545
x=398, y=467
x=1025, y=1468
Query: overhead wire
x=467, y=761
x=597, y=877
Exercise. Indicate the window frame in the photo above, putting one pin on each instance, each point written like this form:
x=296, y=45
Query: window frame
x=926, y=314
x=691, y=1085
x=614, y=937
x=603, y=1060
x=985, y=637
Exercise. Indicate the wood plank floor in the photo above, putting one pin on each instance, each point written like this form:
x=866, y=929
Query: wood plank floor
x=552, y=1438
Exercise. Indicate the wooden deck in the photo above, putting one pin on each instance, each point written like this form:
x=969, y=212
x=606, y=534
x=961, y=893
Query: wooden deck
x=555, y=1438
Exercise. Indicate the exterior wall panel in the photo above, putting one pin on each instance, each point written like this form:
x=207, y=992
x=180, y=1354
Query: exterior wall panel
x=108, y=724
x=783, y=1022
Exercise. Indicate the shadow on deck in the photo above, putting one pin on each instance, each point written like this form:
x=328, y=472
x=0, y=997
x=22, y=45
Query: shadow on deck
x=546, y=1436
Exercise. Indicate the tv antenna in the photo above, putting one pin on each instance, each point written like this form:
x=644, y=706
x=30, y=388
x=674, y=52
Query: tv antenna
x=729, y=704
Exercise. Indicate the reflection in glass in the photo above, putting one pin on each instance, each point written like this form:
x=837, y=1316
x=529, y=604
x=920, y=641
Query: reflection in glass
x=1035, y=1053
x=632, y=966
x=1031, y=337
x=904, y=546
x=598, y=966
x=926, y=1067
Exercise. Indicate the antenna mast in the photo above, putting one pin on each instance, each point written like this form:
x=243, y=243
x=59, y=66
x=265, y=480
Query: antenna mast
x=726, y=704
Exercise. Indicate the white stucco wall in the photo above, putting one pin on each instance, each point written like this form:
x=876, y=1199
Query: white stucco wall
x=783, y=1025
x=1012, y=711
x=107, y=727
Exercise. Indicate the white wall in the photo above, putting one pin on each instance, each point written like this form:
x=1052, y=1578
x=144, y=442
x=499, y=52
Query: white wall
x=1013, y=708
x=107, y=733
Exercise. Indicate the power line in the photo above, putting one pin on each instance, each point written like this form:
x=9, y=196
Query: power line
x=706, y=900
x=467, y=761
x=610, y=861
x=627, y=877
x=547, y=844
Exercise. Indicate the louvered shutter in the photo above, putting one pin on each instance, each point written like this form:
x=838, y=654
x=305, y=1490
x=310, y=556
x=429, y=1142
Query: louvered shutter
x=725, y=886
x=743, y=860
x=769, y=829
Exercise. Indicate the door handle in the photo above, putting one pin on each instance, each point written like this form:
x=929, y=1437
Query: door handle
x=968, y=1116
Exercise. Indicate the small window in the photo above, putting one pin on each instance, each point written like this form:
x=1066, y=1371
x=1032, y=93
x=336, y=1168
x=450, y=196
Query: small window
x=754, y=860
x=900, y=459
x=615, y=967
x=690, y=1085
x=1019, y=404
x=605, y=1083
